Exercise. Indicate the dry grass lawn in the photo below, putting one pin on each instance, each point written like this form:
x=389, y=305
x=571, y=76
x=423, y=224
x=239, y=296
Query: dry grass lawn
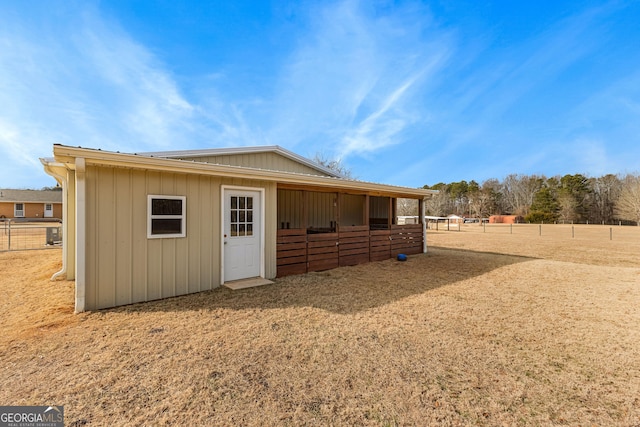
x=489, y=328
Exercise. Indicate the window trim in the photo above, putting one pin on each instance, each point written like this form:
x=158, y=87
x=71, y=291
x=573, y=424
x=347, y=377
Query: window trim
x=150, y=217
x=15, y=210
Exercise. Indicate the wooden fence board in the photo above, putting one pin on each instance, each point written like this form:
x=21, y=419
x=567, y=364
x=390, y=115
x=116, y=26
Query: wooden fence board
x=298, y=252
x=325, y=264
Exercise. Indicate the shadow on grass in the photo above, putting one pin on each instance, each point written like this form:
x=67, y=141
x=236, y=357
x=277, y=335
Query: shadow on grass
x=344, y=290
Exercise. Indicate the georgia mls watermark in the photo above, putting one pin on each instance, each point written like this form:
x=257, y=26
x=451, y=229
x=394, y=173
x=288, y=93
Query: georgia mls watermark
x=31, y=416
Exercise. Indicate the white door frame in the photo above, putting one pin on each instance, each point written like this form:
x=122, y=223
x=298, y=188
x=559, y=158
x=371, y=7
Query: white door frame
x=223, y=191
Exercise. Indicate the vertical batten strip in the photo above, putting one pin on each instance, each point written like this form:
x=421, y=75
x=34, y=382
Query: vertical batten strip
x=81, y=228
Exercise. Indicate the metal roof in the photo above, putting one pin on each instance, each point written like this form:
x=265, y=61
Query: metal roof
x=243, y=150
x=65, y=156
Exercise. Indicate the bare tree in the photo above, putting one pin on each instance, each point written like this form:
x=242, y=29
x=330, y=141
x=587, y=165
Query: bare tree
x=567, y=207
x=519, y=191
x=480, y=203
x=438, y=204
x=493, y=188
x=606, y=190
x=407, y=207
x=627, y=206
x=335, y=165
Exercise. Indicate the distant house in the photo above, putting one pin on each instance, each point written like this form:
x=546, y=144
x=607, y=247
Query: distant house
x=455, y=219
x=148, y=226
x=506, y=219
x=30, y=204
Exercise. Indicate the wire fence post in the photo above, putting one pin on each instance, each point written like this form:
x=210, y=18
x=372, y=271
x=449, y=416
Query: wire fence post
x=573, y=233
x=540, y=230
x=9, y=238
x=610, y=233
x=510, y=228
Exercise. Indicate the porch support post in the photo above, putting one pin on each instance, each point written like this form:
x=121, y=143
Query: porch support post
x=424, y=225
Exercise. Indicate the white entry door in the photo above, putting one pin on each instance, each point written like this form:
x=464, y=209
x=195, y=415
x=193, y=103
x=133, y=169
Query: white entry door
x=48, y=210
x=242, y=234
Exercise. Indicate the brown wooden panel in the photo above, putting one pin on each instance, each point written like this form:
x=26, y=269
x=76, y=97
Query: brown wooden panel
x=292, y=253
x=381, y=256
x=322, y=244
x=328, y=255
x=362, y=246
x=354, y=259
x=292, y=232
x=355, y=251
x=357, y=240
x=292, y=260
x=406, y=251
x=322, y=250
x=321, y=265
x=403, y=246
x=287, y=270
x=354, y=228
x=322, y=237
x=415, y=250
x=379, y=237
x=291, y=246
x=380, y=245
x=292, y=239
x=353, y=234
x=407, y=228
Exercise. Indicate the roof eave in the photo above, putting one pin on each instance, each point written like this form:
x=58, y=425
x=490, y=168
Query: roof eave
x=67, y=155
x=244, y=150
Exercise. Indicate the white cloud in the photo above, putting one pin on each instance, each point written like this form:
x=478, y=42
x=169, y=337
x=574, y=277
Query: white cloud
x=350, y=86
x=77, y=78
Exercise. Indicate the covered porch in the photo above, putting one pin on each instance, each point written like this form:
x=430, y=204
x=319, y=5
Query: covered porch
x=321, y=229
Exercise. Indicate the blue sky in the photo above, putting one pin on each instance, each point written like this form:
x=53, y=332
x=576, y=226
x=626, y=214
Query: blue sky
x=406, y=93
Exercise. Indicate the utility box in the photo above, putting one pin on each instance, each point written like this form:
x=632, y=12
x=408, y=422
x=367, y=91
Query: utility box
x=54, y=235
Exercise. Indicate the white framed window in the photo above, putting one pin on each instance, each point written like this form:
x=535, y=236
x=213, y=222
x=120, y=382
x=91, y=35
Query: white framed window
x=166, y=216
x=18, y=210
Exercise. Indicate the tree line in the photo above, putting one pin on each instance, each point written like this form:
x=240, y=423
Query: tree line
x=569, y=198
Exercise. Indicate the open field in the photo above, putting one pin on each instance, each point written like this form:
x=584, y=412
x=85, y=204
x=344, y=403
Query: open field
x=488, y=328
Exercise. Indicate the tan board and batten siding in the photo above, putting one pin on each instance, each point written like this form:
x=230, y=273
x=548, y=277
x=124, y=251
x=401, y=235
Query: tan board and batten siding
x=126, y=267
x=106, y=248
x=268, y=161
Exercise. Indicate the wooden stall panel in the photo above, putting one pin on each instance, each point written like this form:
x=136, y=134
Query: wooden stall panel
x=353, y=245
x=406, y=239
x=322, y=251
x=291, y=252
x=379, y=245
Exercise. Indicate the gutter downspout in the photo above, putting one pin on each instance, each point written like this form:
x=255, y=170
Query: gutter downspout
x=62, y=179
x=81, y=226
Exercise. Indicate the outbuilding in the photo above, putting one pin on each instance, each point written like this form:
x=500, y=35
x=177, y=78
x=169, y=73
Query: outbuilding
x=30, y=204
x=146, y=226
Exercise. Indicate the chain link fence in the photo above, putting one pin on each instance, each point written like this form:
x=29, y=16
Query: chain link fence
x=20, y=236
